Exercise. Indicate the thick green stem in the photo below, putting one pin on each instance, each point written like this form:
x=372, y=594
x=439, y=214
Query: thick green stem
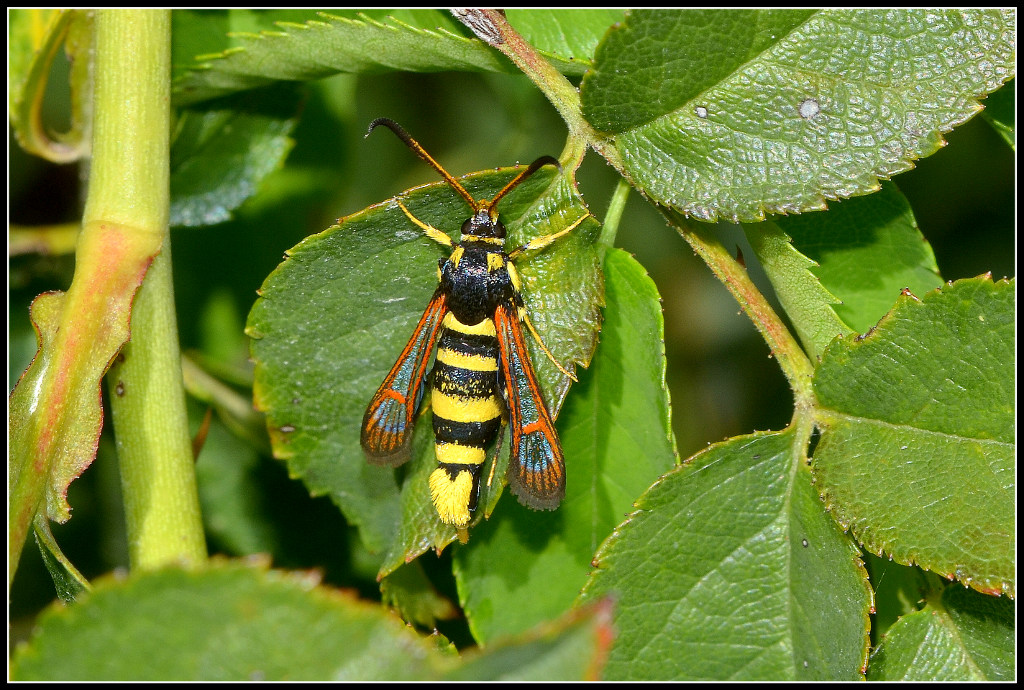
x=129, y=187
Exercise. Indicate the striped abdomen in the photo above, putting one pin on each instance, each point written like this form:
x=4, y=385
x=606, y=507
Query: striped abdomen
x=467, y=406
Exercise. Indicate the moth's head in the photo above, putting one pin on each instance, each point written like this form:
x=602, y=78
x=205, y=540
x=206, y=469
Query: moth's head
x=484, y=224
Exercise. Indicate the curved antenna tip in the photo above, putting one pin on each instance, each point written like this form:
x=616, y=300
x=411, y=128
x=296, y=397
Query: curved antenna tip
x=387, y=122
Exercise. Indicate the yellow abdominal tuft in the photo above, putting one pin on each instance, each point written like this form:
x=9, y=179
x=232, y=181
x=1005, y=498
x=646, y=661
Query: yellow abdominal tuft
x=451, y=496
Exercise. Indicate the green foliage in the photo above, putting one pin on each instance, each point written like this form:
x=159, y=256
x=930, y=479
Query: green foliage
x=930, y=412
x=668, y=559
x=242, y=622
x=331, y=44
x=959, y=635
x=775, y=590
x=607, y=417
x=862, y=253
x=223, y=149
x=805, y=106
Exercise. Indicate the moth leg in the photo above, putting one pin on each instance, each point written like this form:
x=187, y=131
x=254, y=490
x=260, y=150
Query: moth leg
x=541, y=242
x=501, y=430
x=536, y=336
x=429, y=230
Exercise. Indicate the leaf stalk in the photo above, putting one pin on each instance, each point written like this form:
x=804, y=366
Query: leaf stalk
x=795, y=365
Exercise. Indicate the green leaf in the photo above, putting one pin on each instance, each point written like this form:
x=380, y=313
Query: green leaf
x=222, y=150
x=333, y=44
x=573, y=648
x=240, y=49
x=616, y=433
x=228, y=622
x=917, y=433
x=28, y=32
x=962, y=635
x=899, y=590
x=654, y=62
x=807, y=302
x=67, y=580
x=730, y=569
x=735, y=114
x=567, y=37
x=866, y=249
x=242, y=622
x=861, y=254
x=205, y=32
x=334, y=316
x=34, y=36
x=408, y=590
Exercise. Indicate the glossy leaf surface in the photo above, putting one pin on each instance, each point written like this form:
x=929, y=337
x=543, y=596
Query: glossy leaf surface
x=729, y=569
x=735, y=114
x=918, y=436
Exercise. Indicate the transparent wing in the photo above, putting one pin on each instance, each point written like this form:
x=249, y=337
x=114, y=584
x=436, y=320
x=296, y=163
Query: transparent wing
x=389, y=419
x=536, y=468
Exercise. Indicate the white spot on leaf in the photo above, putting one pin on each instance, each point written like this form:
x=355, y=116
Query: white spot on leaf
x=809, y=109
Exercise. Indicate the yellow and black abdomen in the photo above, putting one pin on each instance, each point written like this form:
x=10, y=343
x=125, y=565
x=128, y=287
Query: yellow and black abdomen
x=467, y=406
x=467, y=397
